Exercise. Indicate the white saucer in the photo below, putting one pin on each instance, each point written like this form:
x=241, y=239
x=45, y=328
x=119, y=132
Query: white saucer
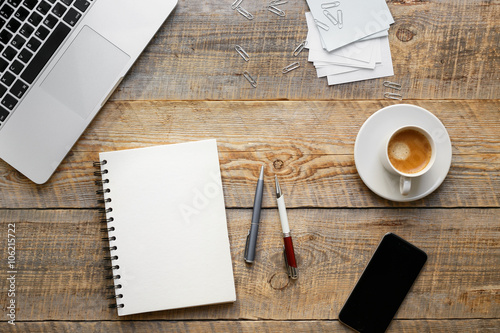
x=371, y=138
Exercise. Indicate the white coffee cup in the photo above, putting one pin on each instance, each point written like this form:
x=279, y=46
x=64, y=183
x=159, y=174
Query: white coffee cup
x=410, y=152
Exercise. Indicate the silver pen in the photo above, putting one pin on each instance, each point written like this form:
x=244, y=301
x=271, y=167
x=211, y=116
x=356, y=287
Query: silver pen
x=251, y=243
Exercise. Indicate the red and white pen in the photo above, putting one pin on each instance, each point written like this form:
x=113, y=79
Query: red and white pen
x=288, y=253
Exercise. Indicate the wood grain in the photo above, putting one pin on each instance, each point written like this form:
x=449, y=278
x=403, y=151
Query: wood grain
x=61, y=271
x=440, y=50
x=124, y=326
x=309, y=145
x=188, y=85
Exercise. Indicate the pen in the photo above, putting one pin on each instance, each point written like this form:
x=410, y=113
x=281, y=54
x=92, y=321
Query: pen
x=254, y=227
x=289, y=254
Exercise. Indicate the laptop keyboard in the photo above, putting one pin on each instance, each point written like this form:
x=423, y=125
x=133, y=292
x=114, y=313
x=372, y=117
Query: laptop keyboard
x=31, y=31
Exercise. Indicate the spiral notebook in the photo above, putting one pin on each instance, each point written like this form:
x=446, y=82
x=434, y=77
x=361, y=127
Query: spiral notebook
x=167, y=229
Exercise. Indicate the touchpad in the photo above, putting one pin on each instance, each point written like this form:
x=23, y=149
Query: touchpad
x=86, y=72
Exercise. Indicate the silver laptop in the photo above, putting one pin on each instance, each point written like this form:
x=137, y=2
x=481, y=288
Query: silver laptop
x=60, y=60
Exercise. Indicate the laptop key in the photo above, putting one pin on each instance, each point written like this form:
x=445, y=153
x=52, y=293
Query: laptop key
x=25, y=56
x=42, y=32
x=6, y=11
x=59, y=10
x=50, y=21
x=72, y=17
x=16, y=67
x=26, y=30
x=13, y=25
x=8, y=78
x=9, y=102
x=46, y=51
x=3, y=114
x=9, y=53
x=22, y=13
x=35, y=19
x=82, y=5
x=18, y=42
x=18, y=89
x=33, y=44
x=43, y=7
x=67, y=2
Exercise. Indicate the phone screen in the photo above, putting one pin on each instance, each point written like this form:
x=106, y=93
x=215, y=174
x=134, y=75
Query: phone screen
x=383, y=285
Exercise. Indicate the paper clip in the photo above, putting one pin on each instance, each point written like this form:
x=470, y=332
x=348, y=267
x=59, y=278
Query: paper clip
x=340, y=18
x=242, y=52
x=250, y=79
x=291, y=67
x=392, y=85
x=244, y=12
x=236, y=4
x=327, y=5
x=393, y=96
x=276, y=11
x=322, y=25
x=278, y=2
x=299, y=48
x=330, y=17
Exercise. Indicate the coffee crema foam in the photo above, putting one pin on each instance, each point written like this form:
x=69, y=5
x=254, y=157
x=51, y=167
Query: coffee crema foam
x=409, y=151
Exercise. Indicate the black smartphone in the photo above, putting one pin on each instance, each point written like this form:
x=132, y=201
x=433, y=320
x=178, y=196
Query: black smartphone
x=383, y=285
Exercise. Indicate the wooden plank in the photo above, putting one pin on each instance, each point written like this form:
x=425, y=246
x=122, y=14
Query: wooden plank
x=440, y=50
x=478, y=325
x=61, y=271
x=308, y=144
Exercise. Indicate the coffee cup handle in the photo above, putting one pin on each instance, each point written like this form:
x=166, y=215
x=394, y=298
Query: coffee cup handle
x=404, y=185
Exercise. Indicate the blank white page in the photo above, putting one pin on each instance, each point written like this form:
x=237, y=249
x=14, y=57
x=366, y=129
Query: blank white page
x=170, y=226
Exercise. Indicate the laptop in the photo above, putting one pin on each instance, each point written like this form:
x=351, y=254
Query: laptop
x=60, y=60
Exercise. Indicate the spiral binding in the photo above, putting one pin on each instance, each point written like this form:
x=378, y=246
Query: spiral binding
x=101, y=192
x=108, y=219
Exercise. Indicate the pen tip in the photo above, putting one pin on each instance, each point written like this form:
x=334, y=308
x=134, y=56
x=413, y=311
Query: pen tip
x=261, y=173
x=278, y=188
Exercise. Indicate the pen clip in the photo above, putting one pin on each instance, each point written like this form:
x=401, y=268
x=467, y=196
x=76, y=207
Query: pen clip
x=245, y=256
x=292, y=271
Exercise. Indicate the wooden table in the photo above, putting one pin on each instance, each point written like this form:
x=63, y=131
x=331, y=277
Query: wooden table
x=188, y=85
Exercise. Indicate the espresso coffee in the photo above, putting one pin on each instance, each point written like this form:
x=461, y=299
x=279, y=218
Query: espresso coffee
x=409, y=151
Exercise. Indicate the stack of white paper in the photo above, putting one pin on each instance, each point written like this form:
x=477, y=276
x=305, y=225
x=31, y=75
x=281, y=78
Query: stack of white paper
x=348, y=39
